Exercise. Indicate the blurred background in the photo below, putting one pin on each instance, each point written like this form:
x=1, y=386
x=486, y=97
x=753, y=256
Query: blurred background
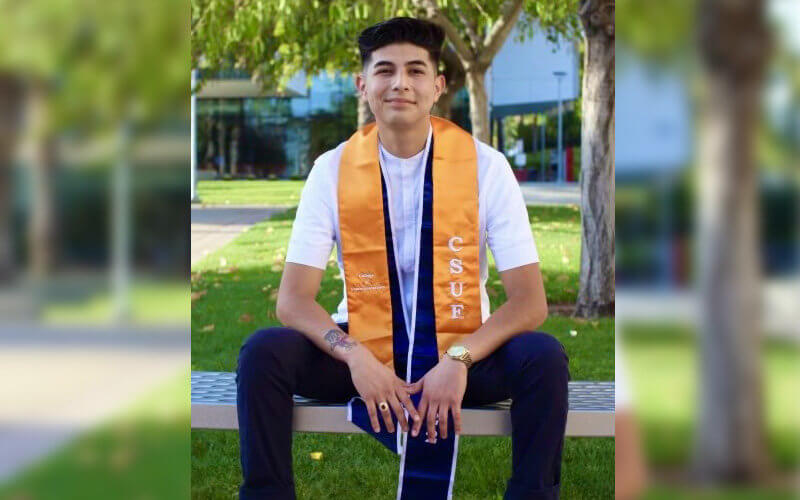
x=94, y=238
x=94, y=244
x=708, y=253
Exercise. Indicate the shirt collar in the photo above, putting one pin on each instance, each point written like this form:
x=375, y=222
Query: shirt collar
x=388, y=157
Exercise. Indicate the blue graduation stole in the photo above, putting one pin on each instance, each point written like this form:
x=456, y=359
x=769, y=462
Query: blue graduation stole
x=427, y=471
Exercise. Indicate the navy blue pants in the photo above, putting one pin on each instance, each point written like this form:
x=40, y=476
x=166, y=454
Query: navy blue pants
x=531, y=368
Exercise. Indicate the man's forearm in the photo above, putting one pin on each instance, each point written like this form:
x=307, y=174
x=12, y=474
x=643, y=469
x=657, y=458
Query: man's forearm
x=511, y=318
x=308, y=317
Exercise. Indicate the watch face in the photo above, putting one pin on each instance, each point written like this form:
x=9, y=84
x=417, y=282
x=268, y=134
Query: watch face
x=456, y=350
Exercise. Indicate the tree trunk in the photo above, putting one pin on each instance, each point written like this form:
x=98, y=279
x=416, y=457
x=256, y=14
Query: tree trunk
x=365, y=115
x=478, y=103
x=596, y=291
x=454, y=78
x=729, y=442
x=41, y=240
x=11, y=98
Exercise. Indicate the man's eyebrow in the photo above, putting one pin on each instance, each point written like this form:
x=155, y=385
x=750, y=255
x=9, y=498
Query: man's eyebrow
x=415, y=62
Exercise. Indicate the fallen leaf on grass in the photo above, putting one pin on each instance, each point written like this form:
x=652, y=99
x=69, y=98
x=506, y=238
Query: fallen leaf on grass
x=573, y=333
x=198, y=295
x=245, y=318
x=316, y=455
x=208, y=328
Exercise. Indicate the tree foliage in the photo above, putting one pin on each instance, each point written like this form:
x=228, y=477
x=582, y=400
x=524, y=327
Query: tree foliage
x=98, y=61
x=275, y=40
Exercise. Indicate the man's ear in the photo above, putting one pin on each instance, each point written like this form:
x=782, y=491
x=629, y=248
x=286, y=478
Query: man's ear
x=439, y=84
x=361, y=84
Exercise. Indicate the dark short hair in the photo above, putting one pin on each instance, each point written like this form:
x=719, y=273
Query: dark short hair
x=418, y=32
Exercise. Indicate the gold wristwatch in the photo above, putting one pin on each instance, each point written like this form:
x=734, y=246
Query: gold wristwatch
x=460, y=353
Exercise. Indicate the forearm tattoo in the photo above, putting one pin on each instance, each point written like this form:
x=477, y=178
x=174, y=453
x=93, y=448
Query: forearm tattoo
x=338, y=338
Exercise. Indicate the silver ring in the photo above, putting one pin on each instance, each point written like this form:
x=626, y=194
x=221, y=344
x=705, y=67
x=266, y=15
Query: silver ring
x=383, y=406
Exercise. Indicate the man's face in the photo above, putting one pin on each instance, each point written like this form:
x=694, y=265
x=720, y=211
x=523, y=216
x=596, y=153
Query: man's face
x=400, y=84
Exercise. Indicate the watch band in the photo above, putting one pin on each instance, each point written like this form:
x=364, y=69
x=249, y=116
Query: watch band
x=466, y=358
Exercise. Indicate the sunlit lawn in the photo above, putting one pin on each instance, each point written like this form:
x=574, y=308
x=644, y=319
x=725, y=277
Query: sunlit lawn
x=155, y=303
x=556, y=229
x=663, y=369
x=250, y=192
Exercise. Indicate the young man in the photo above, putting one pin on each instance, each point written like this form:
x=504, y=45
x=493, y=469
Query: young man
x=411, y=203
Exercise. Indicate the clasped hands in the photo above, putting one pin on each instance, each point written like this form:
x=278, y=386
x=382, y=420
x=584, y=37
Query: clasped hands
x=442, y=387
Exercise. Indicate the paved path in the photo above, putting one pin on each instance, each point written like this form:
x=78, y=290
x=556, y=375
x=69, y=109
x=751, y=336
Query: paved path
x=548, y=193
x=649, y=305
x=215, y=226
x=62, y=381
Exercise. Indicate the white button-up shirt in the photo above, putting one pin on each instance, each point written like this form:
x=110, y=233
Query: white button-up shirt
x=502, y=215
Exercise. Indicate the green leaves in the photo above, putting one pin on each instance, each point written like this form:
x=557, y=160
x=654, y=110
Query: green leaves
x=277, y=39
x=109, y=59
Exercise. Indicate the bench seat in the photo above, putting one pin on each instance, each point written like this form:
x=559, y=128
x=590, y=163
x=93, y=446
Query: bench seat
x=591, y=410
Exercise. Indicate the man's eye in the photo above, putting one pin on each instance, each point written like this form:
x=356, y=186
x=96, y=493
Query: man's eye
x=418, y=71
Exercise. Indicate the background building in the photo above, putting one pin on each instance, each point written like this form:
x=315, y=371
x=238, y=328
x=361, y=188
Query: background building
x=243, y=131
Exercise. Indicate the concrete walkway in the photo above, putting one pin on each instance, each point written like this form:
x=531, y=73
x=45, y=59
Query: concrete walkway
x=215, y=226
x=62, y=381
x=653, y=306
x=550, y=193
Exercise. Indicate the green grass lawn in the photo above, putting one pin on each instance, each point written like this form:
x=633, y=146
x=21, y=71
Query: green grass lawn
x=234, y=293
x=662, y=362
x=555, y=229
x=235, y=298
x=150, y=303
x=250, y=192
x=142, y=453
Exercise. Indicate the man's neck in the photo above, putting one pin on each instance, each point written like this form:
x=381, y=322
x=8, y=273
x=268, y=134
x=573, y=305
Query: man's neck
x=404, y=143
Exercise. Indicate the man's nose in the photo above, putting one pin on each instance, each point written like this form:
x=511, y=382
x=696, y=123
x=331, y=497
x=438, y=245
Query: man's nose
x=400, y=81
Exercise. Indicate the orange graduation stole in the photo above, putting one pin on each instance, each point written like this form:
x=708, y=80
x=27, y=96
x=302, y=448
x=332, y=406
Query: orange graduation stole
x=447, y=302
x=456, y=279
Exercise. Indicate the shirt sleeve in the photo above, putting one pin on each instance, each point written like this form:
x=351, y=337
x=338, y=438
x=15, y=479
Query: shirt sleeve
x=507, y=226
x=313, y=231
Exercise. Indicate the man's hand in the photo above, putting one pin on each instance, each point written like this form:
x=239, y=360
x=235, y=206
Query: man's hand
x=443, y=390
x=376, y=383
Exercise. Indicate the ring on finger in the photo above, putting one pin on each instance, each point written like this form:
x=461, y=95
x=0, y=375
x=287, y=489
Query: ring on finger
x=383, y=406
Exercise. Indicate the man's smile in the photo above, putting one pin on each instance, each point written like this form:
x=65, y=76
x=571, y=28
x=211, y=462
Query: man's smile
x=399, y=101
